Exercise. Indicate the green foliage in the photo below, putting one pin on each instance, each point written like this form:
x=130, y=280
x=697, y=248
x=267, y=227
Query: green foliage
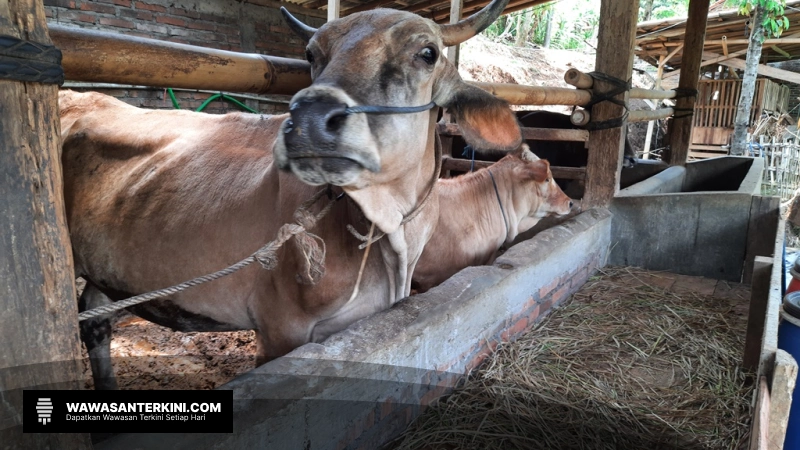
x=775, y=22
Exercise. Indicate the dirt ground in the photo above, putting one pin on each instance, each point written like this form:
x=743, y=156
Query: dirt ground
x=147, y=356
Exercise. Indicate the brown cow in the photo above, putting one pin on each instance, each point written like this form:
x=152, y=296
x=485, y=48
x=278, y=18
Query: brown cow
x=158, y=197
x=481, y=211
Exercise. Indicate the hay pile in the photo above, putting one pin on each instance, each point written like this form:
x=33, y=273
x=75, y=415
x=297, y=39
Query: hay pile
x=623, y=366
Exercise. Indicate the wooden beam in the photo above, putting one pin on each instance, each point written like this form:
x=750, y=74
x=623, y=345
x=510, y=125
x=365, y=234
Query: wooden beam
x=367, y=6
x=680, y=127
x=334, y=7
x=463, y=165
x=759, y=437
x=759, y=300
x=764, y=70
x=764, y=216
x=615, y=49
x=710, y=58
x=731, y=70
x=781, y=52
x=538, y=134
x=784, y=376
x=671, y=54
x=39, y=319
x=778, y=41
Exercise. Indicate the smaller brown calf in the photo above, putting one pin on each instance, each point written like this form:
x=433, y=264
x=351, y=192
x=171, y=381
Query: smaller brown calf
x=481, y=211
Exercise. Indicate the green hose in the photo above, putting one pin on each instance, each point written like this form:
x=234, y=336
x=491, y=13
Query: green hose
x=211, y=99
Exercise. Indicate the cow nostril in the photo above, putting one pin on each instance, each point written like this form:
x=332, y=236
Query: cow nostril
x=335, y=121
x=289, y=127
x=570, y=204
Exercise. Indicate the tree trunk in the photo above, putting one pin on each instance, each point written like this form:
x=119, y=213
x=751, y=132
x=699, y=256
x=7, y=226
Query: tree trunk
x=647, y=10
x=742, y=120
x=549, y=30
x=524, y=29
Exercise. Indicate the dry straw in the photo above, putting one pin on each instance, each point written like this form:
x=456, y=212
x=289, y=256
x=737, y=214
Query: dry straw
x=626, y=365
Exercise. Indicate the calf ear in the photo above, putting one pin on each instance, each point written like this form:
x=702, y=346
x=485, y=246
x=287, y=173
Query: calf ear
x=526, y=154
x=536, y=170
x=486, y=122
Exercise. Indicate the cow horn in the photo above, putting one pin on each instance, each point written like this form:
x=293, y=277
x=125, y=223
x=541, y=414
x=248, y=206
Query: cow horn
x=459, y=32
x=302, y=30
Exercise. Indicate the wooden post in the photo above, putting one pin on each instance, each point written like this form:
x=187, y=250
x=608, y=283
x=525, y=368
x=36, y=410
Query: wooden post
x=334, y=9
x=456, y=7
x=615, y=44
x=680, y=129
x=38, y=310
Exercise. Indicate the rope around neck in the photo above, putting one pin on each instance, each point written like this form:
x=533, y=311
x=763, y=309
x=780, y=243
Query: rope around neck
x=502, y=210
x=436, y=171
x=267, y=256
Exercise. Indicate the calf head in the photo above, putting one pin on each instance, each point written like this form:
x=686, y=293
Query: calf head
x=539, y=196
x=386, y=58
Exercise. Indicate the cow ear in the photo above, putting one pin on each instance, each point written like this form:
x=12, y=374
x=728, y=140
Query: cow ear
x=486, y=122
x=537, y=171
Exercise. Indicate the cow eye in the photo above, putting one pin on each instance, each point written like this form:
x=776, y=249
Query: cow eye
x=547, y=180
x=309, y=56
x=429, y=55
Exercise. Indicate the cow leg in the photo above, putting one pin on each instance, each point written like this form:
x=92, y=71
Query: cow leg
x=96, y=335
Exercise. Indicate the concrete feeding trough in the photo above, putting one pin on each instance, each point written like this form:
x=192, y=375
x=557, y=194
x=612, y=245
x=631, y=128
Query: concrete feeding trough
x=692, y=220
x=364, y=385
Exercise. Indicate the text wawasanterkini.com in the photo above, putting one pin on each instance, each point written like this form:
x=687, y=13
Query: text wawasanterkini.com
x=140, y=411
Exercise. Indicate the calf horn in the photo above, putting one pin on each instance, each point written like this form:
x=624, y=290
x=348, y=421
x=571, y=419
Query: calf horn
x=302, y=30
x=459, y=32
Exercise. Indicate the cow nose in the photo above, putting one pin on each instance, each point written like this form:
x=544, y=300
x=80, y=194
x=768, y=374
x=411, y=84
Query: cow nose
x=315, y=124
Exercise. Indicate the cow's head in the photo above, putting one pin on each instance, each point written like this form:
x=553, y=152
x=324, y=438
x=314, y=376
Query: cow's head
x=537, y=194
x=389, y=58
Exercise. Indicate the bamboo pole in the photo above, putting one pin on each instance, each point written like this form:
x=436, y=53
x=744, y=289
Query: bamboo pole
x=645, y=115
x=580, y=80
x=536, y=95
x=653, y=94
x=103, y=57
x=580, y=117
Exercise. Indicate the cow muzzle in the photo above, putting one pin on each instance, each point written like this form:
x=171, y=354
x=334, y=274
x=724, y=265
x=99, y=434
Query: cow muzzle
x=323, y=143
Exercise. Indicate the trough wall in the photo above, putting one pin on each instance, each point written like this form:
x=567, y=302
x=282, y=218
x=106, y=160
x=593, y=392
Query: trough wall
x=363, y=386
x=658, y=225
x=252, y=26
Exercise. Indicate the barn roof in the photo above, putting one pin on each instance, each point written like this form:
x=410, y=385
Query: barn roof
x=726, y=33
x=438, y=10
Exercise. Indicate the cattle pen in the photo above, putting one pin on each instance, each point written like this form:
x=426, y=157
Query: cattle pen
x=361, y=387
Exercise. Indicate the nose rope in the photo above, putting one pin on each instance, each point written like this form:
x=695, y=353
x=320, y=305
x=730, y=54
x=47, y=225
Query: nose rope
x=368, y=109
x=499, y=202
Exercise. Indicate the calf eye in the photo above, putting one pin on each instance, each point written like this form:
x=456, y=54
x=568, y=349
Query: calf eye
x=429, y=55
x=309, y=56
